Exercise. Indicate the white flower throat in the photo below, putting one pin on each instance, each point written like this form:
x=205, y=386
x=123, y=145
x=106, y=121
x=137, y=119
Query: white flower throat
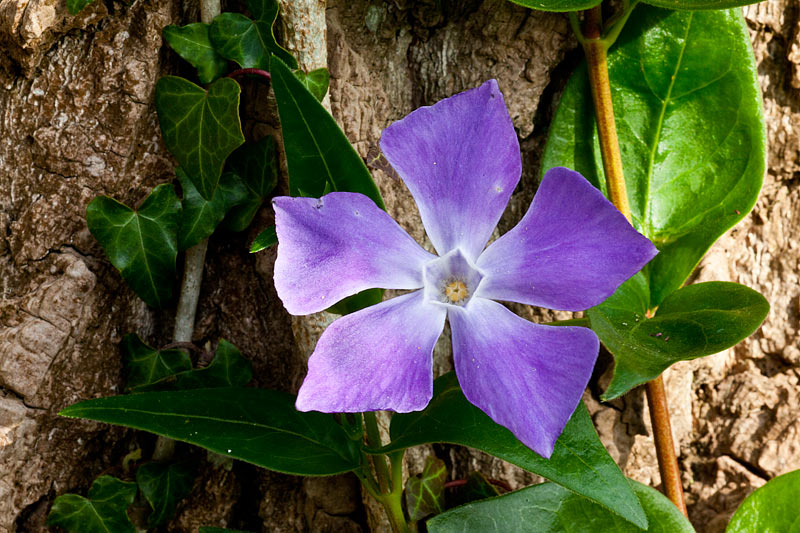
x=451, y=280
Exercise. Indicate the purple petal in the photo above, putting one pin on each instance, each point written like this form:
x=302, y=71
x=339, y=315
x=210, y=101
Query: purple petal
x=570, y=251
x=460, y=160
x=377, y=358
x=335, y=246
x=525, y=376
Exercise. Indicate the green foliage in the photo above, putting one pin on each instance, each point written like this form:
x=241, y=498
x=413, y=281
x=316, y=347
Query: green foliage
x=164, y=485
x=265, y=239
x=579, y=462
x=257, y=165
x=316, y=81
x=548, y=508
x=228, y=369
x=557, y=5
x=425, y=492
x=771, y=508
x=248, y=42
x=192, y=44
x=700, y=4
x=76, y=6
x=691, y=131
x=201, y=217
x=142, y=244
x=145, y=365
x=104, y=510
x=200, y=128
x=692, y=322
x=254, y=425
x=476, y=488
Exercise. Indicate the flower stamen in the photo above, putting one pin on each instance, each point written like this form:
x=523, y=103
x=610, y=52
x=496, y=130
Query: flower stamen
x=456, y=291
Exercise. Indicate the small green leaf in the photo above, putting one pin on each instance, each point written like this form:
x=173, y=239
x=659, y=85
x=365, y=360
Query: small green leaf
x=694, y=321
x=317, y=152
x=254, y=425
x=425, y=493
x=105, y=509
x=257, y=165
x=192, y=44
x=356, y=302
x=579, y=461
x=691, y=131
x=142, y=244
x=316, y=81
x=145, y=365
x=689, y=5
x=476, y=488
x=548, y=508
x=771, y=508
x=557, y=5
x=249, y=42
x=265, y=239
x=164, y=485
x=200, y=128
x=228, y=369
x=200, y=217
x=76, y=6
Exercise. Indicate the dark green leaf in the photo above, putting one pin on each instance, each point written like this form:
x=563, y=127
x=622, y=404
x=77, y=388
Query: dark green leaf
x=356, y=302
x=548, y=508
x=700, y=4
x=694, y=321
x=476, y=488
x=106, y=508
x=579, y=461
x=200, y=128
x=257, y=165
x=265, y=239
x=200, y=217
x=317, y=152
x=254, y=425
x=691, y=132
x=240, y=217
x=425, y=492
x=249, y=42
x=76, y=6
x=771, y=508
x=228, y=369
x=557, y=5
x=164, y=485
x=145, y=365
x=192, y=44
x=142, y=244
x=316, y=81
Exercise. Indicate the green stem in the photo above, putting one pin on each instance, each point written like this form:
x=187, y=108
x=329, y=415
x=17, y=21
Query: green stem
x=374, y=441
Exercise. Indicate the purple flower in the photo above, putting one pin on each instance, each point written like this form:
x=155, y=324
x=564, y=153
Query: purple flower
x=460, y=159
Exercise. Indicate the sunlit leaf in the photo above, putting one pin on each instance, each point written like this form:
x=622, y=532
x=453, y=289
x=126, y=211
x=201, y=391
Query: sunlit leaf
x=425, y=493
x=316, y=81
x=192, y=44
x=771, y=508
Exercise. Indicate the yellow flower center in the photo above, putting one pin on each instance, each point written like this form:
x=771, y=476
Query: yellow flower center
x=456, y=291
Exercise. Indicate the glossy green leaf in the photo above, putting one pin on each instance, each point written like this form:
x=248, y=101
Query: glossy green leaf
x=476, y=488
x=317, y=151
x=265, y=239
x=76, y=6
x=192, y=44
x=316, y=81
x=142, y=244
x=105, y=509
x=691, y=132
x=200, y=128
x=356, y=302
x=257, y=165
x=145, y=365
x=200, y=217
x=694, y=321
x=557, y=5
x=579, y=461
x=770, y=509
x=700, y=4
x=425, y=492
x=249, y=42
x=229, y=368
x=164, y=485
x=548, y=508
x=254, y=425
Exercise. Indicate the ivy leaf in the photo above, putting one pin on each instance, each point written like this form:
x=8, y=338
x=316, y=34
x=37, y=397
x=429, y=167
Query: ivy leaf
x=548, y=508
x=257, y=165
x=104, y=510
x=164, y=485
x=145, y=365
x=316, y=81
x=690, y=125
x=265, y=239
x=476, y=488
x=142, y=244
x=200, y=128
x=579, y=462
x=228, y=369
x=692, y=322
x=248, y=42
x=200, y=217
x=76, y=6
x=425, y=492
x=192, y=44
x=258, y=426
x=317, y=151
x=557, y=5
x=771, y=508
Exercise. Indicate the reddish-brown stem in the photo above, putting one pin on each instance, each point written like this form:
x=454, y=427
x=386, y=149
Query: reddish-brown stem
x=262, y=74
x=662, y=435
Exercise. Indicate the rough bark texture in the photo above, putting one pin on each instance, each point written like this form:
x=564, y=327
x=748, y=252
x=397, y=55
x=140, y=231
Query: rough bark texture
x=78, y=121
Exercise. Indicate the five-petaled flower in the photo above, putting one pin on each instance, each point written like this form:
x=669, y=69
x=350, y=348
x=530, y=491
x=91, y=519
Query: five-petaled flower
x=460, y=159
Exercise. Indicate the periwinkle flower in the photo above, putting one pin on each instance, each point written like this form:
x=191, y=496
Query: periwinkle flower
x=460, y=159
